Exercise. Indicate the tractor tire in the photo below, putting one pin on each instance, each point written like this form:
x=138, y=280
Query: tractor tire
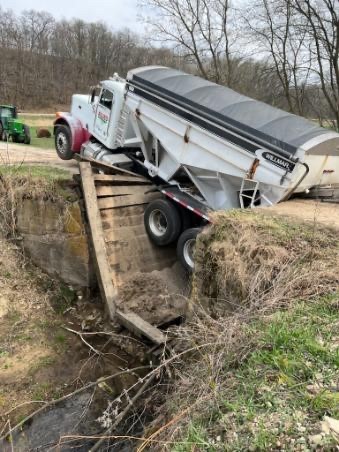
x=162, y=222
x=63, y=142
x=185, y=248
x=1, y=131
x=15, y=139
x=27, y=139
x=4, y=136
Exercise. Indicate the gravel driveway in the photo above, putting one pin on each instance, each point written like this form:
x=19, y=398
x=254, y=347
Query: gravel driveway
x=30, y=155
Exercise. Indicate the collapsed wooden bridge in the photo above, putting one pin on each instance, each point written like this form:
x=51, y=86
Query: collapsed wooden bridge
x=115, y=200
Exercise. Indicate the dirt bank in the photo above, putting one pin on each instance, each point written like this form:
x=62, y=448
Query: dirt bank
x=260, y=370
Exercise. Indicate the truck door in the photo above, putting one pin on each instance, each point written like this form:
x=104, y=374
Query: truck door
x=103, y=114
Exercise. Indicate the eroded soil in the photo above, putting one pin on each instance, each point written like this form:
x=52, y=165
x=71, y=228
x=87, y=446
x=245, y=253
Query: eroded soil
x=40, y=359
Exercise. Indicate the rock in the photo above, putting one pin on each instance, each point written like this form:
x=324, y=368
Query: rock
x=43, y=133
x=330, y=426
x=315, y=440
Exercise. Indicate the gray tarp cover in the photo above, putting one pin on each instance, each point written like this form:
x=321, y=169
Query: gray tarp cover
x=247, y=116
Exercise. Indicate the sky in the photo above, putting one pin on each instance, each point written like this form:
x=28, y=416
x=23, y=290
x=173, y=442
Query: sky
x=115, y=13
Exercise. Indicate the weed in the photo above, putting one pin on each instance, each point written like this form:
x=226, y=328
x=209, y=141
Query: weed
x=267, y=397
x=44, y=361
x=35, y=171
x=42, y=391
x=63, y=299
x=13, y=316
x=7, y=274
x=60, y=338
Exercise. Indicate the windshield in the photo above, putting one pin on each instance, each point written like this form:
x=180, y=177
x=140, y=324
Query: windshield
x=6, y=112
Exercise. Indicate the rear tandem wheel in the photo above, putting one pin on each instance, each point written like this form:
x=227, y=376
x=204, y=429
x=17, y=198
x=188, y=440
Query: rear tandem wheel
x=186, y=248
x=162, y=222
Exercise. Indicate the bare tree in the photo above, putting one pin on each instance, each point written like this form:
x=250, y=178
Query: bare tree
x=200, y=31
x=272, y=25
x=320, y=23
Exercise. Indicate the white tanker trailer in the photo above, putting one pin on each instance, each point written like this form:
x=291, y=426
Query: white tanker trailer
x=205, y=146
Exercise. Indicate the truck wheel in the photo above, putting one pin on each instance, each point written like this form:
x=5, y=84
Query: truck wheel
x=63, y=142
x=185, y=248
x=27, y=139
x=162, y=222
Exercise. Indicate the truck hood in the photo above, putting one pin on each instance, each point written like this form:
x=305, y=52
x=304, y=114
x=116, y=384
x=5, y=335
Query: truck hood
x=83, y=110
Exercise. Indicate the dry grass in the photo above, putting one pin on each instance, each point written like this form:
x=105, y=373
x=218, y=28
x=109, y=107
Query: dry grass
x=18, y=182
x=257, y=279
x=249, y=259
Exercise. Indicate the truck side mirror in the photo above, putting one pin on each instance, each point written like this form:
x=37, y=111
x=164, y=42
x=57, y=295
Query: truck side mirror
x=92, y=95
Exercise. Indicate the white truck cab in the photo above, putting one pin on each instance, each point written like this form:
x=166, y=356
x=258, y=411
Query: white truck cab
x=107, y=111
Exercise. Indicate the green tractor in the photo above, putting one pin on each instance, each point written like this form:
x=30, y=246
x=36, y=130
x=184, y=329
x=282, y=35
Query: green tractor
x=12, y=127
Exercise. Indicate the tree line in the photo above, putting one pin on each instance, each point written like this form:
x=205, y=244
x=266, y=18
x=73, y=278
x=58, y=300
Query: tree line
x=44, y=61
x=284, y=52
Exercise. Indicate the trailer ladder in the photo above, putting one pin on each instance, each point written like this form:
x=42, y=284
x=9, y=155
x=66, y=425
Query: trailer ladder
x=114, y=205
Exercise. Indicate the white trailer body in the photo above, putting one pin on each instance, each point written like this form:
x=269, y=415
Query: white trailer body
x=226, y=143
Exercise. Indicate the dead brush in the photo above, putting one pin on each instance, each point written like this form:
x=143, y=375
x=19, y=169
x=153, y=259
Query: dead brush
x=248, y=266
x=15, y=187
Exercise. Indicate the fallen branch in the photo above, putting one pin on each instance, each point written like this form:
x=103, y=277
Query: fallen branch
x=121, y=416
x=94, y=350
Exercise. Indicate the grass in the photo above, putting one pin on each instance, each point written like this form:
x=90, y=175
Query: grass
x=281, y=391
x=36, y=122
x=264, y=327
x=45, y=172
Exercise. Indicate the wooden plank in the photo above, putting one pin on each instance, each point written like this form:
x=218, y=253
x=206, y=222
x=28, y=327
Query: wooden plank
x=116, y=222
x=105, y=166
x=124, y=201
x=125, y=233
x=108, y=291
x=113, y=190
x=140, y=327
x=120, y=179
x=123, y=212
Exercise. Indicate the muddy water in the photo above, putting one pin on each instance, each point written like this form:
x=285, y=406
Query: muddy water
x=58, y=429
x=65, y=426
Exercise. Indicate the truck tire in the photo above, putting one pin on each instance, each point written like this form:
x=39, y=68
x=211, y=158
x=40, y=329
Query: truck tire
x=162, y=222
x=185, y=248
x=63, y=142
x=27, y=139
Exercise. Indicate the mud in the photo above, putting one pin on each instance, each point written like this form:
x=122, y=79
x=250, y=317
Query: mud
x=157, y=296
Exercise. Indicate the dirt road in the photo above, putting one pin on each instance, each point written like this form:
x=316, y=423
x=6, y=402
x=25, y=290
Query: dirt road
x=309, y=211
x=20, y=154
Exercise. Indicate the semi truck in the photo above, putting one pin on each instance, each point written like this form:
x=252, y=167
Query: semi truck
x=204, y=146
